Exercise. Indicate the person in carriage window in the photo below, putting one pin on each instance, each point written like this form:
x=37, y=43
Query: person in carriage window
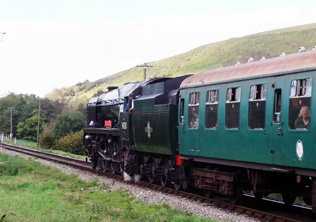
x=302, y=122
x=195, y=120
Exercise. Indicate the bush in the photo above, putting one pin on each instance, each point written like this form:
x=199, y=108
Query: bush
x=67, y=122
x=72, y=143
x=47, y=139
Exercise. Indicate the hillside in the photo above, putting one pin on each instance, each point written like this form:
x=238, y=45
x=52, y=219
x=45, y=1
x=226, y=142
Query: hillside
x=211, y=56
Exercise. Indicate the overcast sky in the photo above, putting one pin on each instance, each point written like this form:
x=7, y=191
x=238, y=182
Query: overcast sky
x=57, y=43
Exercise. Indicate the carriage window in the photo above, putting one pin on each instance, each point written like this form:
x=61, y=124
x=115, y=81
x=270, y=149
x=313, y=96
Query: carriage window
x=193, y=117
x=211, y=110
x=257, y=106
x=277, y=106
x=232, y=108
x=300, y=101
x=181, y=111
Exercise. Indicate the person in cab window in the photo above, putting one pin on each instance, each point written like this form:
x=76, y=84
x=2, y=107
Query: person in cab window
x=132, y=97
x=126, y=109
x=302, y=122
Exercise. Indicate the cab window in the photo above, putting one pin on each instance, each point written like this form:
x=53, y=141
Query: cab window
x=257, y=106
x=300, y=101
x=193, y=112
x=232, y=113
x=211, y=109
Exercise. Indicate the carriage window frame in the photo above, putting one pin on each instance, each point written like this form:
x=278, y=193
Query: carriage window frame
x=193, y=110
x=277, y=106
x=211, y=107
x=301, y=88
x=233, y=95
x=257, y=93
x=257, y=96
x=233, y=98
x=300, y=96
x=181, y=121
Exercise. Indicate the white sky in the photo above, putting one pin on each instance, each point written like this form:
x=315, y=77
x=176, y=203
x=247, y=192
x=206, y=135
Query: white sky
x=57, y=43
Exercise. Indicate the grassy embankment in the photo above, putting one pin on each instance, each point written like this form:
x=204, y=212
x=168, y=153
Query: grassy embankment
x=30, y=191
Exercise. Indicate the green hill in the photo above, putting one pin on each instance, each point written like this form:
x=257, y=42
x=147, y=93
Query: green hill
x=211, y=56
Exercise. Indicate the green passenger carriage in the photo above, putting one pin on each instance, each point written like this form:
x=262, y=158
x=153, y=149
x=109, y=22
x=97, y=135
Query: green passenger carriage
x=246, y=125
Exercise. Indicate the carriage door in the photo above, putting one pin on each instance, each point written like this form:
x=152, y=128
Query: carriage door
x=277, y=122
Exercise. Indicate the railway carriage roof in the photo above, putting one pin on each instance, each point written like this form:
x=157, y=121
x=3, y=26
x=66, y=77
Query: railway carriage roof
x=279, y=65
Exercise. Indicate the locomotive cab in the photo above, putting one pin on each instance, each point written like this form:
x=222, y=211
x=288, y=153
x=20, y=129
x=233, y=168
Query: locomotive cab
x=91, y=111
x=155, y=131
x=155, y=117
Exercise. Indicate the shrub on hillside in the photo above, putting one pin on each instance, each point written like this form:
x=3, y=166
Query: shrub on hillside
x=72, y=143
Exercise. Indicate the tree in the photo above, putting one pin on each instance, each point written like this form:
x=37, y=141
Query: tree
x=48, y=109
x=67, y=122
x=24, y=115
x=20, y=112
x=47, y=139
x=81, y=108
x=28, y=129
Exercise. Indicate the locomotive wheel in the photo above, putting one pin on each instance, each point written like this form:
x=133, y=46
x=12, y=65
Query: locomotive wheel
x=121, y=165
x=163, y=181
x=288, y=198
x=94, y=161
x=177, y=185
x=150, y=179
x=113, y=167
x=307, y=200
x=236, y=197
x=258, y=196
x=116, y=168
x=209, y=193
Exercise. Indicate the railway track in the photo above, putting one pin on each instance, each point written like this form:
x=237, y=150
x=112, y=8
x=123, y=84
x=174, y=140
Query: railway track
x=247, y=211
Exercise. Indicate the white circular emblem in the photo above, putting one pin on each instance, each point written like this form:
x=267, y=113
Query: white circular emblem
x=124, y=125
x=299, y=150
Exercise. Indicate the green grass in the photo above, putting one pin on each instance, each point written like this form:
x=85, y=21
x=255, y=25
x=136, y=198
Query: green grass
x=30, y=191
